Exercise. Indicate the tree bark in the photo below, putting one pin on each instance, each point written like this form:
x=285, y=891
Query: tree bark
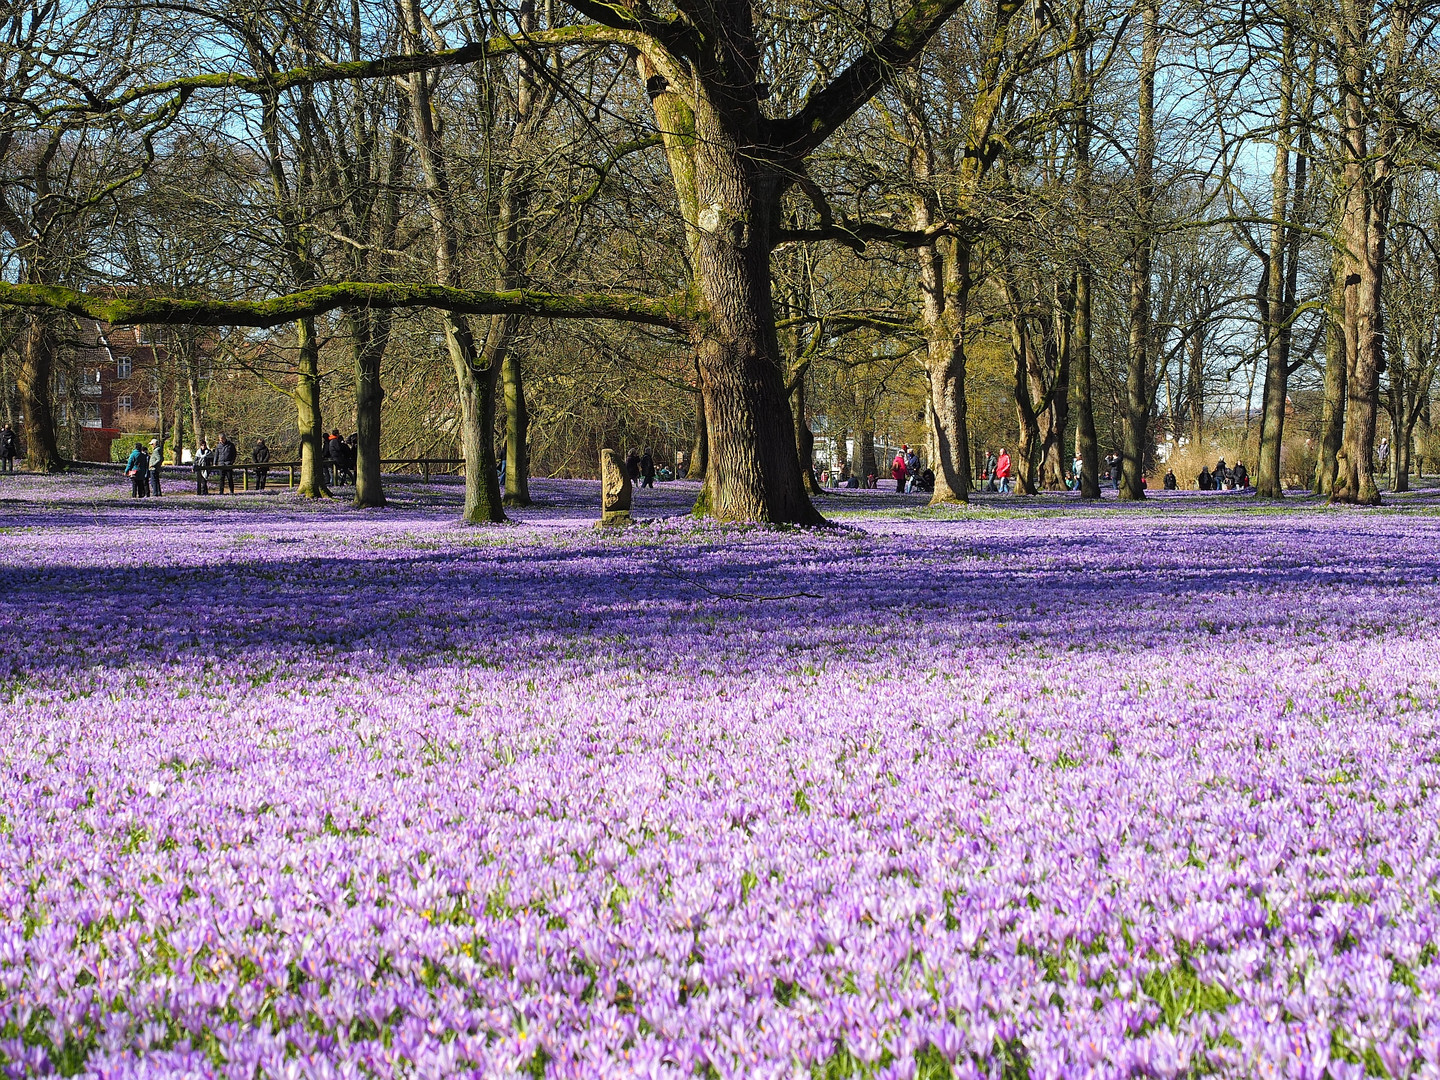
x=804, y=436
x=517, y=433
x=36, y=378
x=307, y=412
x=1277, y=303
x=370, y=335
x=177, y=451
x=1137, y=390
x=700, y=451
x=1332, y=415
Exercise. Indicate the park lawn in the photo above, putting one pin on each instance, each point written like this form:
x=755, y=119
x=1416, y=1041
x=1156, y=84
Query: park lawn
x=1035, y=789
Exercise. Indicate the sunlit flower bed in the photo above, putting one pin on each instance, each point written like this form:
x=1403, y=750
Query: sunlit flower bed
x=291, y=790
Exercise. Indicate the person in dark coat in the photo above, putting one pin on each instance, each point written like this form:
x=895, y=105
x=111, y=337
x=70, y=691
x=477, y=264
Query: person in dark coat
x=225, y=462
x=1240, y=475
x=203, y=461
x=9, y=446
x=632, y=466
x=137, y=468
x=157, y=460
x=647, y=469
x=1116, y=468
x=1204, y=480
x=260, y=456
x=1170, y=482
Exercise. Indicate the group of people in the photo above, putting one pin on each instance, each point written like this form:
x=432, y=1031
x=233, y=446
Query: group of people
x=997, y=476
x=1224, y=477
x=641, y=468
x=143, y=467
x=905, y=470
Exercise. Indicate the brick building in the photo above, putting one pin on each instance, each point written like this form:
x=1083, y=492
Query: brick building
x=109, y=384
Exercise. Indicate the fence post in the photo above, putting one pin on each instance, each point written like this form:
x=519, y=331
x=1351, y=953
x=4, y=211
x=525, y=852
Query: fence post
x=291, y=470
x=244, y=478
x=425, y=467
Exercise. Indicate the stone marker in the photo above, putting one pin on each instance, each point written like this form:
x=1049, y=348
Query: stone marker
x=614, y=489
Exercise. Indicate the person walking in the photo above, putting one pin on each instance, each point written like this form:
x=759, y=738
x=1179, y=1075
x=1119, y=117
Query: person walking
x=1002, y=471
x=260, y=456
x=1076, y=468
x=1170, y=482
x=8, y=446
x=1115, y=469
x=632, y=466
x=1204, y=481
x=897, y=471
x=224, y=458
x=647, y=468
x=157, y=459
x=202, y=464
x=1240, y=475
x=987, y=478
x=137, y=468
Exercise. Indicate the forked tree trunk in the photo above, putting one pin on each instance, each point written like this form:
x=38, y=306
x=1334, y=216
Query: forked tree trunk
x=753, y=472
x=474, y=383
x=36, y=375
x=1276, y=313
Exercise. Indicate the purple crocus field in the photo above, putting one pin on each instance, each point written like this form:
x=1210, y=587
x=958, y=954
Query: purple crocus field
x=295, y=790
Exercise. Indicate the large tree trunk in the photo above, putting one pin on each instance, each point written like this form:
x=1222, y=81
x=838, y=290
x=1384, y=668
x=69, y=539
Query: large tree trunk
x=1332, y=415
x=804, y=436
x=517, y=433
x=1087, y=445
x=945, y=357
x=37, y=373
x=1137, y=389
x=177, y=451
x=754, y=474
x=865, y=452
x=370, y=334
x=307, y=411
x=700, y=451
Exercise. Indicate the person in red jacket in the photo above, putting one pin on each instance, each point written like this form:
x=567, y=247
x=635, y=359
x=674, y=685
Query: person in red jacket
x=1002, y=471
x=898, y=470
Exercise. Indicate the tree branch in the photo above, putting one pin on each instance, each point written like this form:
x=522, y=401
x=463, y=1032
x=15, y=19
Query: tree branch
x=829, y=107
x=673, y=312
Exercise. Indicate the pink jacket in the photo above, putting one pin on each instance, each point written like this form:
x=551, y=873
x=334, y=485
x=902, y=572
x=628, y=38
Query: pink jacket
x=897, y=467
x=1002, y=467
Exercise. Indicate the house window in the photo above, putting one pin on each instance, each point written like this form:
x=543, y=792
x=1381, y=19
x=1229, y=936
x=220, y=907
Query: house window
x=124, y=366
x=90, y=381
x=126, y=402
x=90, y=414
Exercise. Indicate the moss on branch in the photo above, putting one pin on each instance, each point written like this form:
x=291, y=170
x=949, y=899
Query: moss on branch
x=675, y=312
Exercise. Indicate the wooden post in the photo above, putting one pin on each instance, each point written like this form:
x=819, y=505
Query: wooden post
x=244, y=478
x=291, y=470
x=425, y=467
